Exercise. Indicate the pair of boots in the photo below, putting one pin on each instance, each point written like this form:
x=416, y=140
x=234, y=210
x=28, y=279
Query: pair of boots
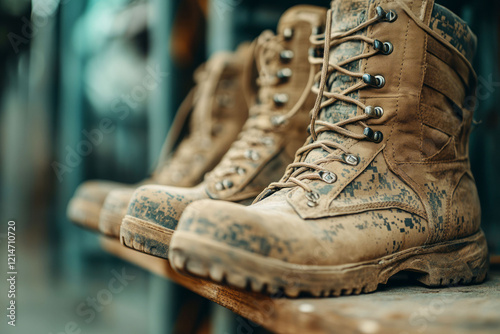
x=362, y=116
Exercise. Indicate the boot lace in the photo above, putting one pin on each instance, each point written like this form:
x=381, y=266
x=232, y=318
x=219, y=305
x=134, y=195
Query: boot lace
x=297, y=172
x=265, y=120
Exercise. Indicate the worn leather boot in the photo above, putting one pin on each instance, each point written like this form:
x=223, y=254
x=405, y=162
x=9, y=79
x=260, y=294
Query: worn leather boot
x=383, y=184
x=275, y=130
x=214, y=112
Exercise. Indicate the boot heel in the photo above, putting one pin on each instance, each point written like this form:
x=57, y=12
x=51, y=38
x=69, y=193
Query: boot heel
x=463, y=261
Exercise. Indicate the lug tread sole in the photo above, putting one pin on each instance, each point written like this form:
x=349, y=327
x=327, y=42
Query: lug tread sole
x=463, y=261
x=145, y=237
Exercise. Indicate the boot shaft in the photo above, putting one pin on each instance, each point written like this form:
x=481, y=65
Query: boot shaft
x=426, y=72
x=278, y=119
x=427, y=124
x=211, y=116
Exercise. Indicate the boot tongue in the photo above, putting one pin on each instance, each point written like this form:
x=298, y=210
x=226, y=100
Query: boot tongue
x=346, y=15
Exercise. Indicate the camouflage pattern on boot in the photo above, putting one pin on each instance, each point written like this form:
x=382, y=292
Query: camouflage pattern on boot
x=216, y=109
x=383, y=184
x=267, y=144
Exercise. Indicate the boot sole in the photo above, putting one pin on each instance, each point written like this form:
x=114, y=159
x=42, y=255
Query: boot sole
x=84, y=213
x=463, y=261
x=145, y=237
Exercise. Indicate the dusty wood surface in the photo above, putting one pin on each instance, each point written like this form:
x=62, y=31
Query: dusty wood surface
x=397, y=308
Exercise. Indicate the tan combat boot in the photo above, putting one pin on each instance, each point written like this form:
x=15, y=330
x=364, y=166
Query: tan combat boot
x=267, y=144
x=383, y=185
x=216, y=109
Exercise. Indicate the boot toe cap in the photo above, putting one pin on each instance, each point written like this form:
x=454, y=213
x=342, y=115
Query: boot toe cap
x=162, y=205
x=275, y=231
x=113, y=210
x=237, y=226
x=85, y=206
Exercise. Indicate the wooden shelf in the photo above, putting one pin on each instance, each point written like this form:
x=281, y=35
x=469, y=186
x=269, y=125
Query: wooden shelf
x=397, y=308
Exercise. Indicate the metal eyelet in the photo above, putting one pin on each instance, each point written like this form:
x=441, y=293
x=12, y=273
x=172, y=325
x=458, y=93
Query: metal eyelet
x=284, y=74
x=313, y=198
x=252, y=155
x=238, y=170
x=350, y=159
x=281, y=98
x=288, y=33
x=278, y=120
x=374, y=136
x=224, y=184
x=286, y=56
x=327, y=176
x=376, y=81
x=268, y=141
x=228, y=184
x=241, y=171
x=374, y=112
x=389, y=16
x=385, y=48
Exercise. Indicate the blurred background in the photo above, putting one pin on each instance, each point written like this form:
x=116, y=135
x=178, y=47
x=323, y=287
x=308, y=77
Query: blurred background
x=68, y=64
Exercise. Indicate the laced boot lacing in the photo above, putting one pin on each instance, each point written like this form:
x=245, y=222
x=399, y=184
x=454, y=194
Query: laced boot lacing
x=265, y=120
x=336, y=151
